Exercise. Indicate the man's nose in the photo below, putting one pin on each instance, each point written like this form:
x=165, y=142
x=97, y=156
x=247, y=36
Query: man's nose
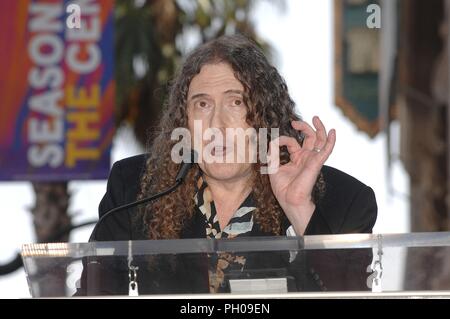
x=217, y=119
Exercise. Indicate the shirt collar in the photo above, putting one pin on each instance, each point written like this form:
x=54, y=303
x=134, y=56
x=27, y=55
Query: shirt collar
x=239, y=225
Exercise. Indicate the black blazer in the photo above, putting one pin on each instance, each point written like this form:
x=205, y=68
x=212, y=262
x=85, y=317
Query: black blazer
x=348, y=206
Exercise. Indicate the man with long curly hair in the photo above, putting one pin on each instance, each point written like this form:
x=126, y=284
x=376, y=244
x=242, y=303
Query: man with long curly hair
x=228, y=83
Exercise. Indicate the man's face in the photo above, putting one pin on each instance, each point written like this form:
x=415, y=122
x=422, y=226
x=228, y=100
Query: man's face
x=216, y=101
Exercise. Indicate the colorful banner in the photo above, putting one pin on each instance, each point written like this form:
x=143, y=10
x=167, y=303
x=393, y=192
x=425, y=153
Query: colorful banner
x=56, y=89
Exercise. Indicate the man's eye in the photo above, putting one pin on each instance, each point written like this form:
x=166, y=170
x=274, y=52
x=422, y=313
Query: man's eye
x=238, y=102
x=202, y=104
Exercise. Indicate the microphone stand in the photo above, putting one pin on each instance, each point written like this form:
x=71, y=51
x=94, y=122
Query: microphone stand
x=136, y=203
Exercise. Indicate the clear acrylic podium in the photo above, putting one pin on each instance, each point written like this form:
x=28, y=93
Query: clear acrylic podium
x=353, y=265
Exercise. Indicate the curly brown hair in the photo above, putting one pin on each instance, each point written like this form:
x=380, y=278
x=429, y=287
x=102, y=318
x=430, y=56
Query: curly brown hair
x=268, y=106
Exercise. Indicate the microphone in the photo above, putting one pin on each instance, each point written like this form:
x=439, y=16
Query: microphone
x=186, y=165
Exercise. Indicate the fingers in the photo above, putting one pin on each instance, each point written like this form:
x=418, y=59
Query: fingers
x=308, y=131
x=328, y=147
x=274, y=146
x=317, y=140
x=290, y=142
x=314, y=139
x=321, y=133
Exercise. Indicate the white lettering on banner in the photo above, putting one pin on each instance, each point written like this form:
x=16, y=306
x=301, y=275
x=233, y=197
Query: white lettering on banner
x=45, y=50
x=50, y=154
x=63, y=113
x=41, y=78
x=79, y=65
x=46, y=17
x=42, y=132
x=88, y=35
x=43, y=57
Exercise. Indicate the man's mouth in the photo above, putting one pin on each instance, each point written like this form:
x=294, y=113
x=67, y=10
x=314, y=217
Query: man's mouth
x=220, y=150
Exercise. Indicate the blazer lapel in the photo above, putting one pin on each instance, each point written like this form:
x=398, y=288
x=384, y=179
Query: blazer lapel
x=195, y=228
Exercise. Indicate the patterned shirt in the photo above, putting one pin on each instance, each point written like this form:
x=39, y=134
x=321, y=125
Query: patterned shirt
x=240, y=225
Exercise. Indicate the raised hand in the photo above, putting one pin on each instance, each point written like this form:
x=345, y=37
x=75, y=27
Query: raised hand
x=292, y=183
